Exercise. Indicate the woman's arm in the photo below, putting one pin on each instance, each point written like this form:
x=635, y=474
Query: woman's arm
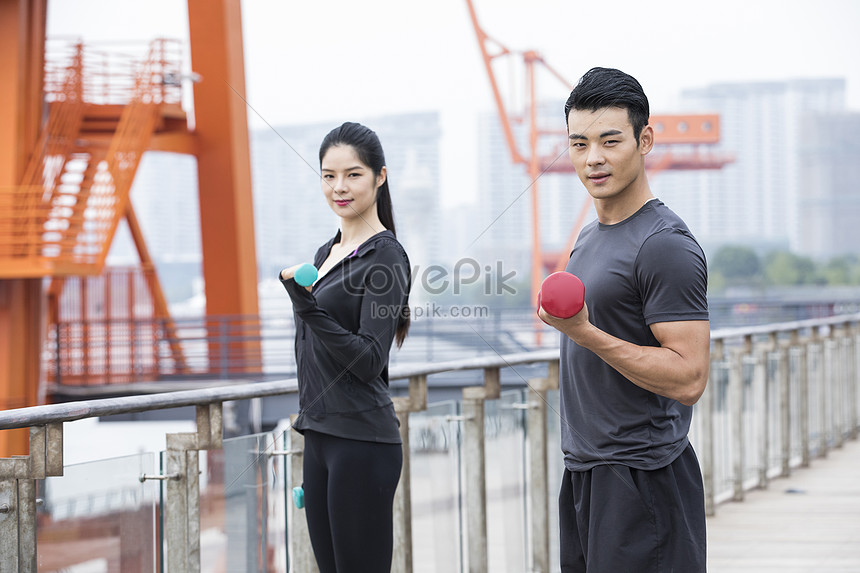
x=365, y=352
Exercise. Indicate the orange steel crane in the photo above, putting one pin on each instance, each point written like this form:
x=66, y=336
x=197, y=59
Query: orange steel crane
x=688, y=129
x=69, y=150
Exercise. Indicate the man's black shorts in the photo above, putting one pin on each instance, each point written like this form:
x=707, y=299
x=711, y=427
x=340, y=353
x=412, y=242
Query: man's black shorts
x=615, y=519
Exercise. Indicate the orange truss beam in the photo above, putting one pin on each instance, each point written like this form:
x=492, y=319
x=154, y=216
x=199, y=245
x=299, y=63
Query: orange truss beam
x=223, y=158
x=22, y=44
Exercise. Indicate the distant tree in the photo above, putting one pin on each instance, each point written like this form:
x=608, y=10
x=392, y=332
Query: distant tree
x=788, y=269
x=837, y=271
x=844, y=270
x=736, y=263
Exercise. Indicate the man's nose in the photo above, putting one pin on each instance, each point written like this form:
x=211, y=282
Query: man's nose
x=595, y=155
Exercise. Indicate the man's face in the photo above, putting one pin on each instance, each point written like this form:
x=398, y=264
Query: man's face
x=604, y=152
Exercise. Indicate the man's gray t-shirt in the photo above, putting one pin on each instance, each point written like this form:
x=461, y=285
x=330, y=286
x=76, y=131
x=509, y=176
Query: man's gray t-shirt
x=644, y=270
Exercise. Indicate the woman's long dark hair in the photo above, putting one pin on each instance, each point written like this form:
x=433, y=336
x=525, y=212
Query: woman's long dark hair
x=367, y=147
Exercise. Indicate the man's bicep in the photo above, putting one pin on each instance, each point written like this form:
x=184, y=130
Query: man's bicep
x=690, y=339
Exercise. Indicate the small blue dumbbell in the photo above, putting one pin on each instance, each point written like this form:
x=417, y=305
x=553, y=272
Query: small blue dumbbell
x=306, y=274
x=299, y=497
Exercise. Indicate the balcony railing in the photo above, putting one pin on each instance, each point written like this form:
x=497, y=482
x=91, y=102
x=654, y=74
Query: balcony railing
x=479, y=479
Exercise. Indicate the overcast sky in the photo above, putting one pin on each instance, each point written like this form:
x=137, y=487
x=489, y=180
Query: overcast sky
x=336, y=60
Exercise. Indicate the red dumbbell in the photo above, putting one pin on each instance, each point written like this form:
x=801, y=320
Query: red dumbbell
x=561, y=294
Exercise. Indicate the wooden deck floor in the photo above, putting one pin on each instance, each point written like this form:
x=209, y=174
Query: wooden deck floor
x=808, y=522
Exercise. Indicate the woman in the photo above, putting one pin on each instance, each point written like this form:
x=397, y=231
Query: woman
x=345, y=325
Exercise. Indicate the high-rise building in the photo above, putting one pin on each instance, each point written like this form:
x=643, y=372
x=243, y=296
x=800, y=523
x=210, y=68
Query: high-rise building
x=757, y=200
x=830, y=184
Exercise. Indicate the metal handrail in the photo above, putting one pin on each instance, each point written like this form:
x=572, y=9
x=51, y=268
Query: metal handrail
x=782, y=327
x=71, y=411
x=66, y=412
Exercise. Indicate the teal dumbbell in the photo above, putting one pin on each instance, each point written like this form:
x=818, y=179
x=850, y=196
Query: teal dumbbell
x=306, y=274
x=298, y=497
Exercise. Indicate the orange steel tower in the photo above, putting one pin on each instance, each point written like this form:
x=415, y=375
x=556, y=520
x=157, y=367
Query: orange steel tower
x=69, y=152
x=690, y=130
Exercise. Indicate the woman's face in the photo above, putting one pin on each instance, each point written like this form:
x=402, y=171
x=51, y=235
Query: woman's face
x=349, y=185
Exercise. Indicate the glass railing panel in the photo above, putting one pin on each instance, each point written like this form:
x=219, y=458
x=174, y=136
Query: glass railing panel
x=242, y=506
x=505, y=451
x=99, y=516
x=434, y=449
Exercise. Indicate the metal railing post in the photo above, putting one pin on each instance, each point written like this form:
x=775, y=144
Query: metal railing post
x=538, y=493
x=9, y=561
x=821, y=390
x=18, y=476
x=705, y=409
x=760, y=383
x=839, y=386
x=803, y=405
x=736, y=417
x=415, y=402
x=475, y=479
x=832, y=398
x=182, y=522
x=402, y=512
x=841, y=379
x=538, y=484
x=475, y=467
x=784, y=410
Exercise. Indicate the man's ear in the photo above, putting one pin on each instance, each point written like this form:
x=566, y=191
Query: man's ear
x=646, y=140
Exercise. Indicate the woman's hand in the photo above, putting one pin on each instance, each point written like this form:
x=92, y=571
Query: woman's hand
x=289, y=272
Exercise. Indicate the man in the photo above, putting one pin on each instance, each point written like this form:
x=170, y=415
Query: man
x=635, y=359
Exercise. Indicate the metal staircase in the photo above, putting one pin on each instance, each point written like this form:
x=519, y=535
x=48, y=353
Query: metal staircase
x=102, y=110
x=102, y=115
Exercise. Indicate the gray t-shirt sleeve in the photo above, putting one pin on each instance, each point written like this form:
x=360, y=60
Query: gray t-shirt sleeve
x=672, y=275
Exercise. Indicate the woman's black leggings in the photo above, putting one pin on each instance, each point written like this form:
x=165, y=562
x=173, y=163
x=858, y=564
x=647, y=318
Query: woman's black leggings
x=349, y=495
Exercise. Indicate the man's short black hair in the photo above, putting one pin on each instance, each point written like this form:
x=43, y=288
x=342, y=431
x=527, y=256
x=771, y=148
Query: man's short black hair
x=608, y=87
